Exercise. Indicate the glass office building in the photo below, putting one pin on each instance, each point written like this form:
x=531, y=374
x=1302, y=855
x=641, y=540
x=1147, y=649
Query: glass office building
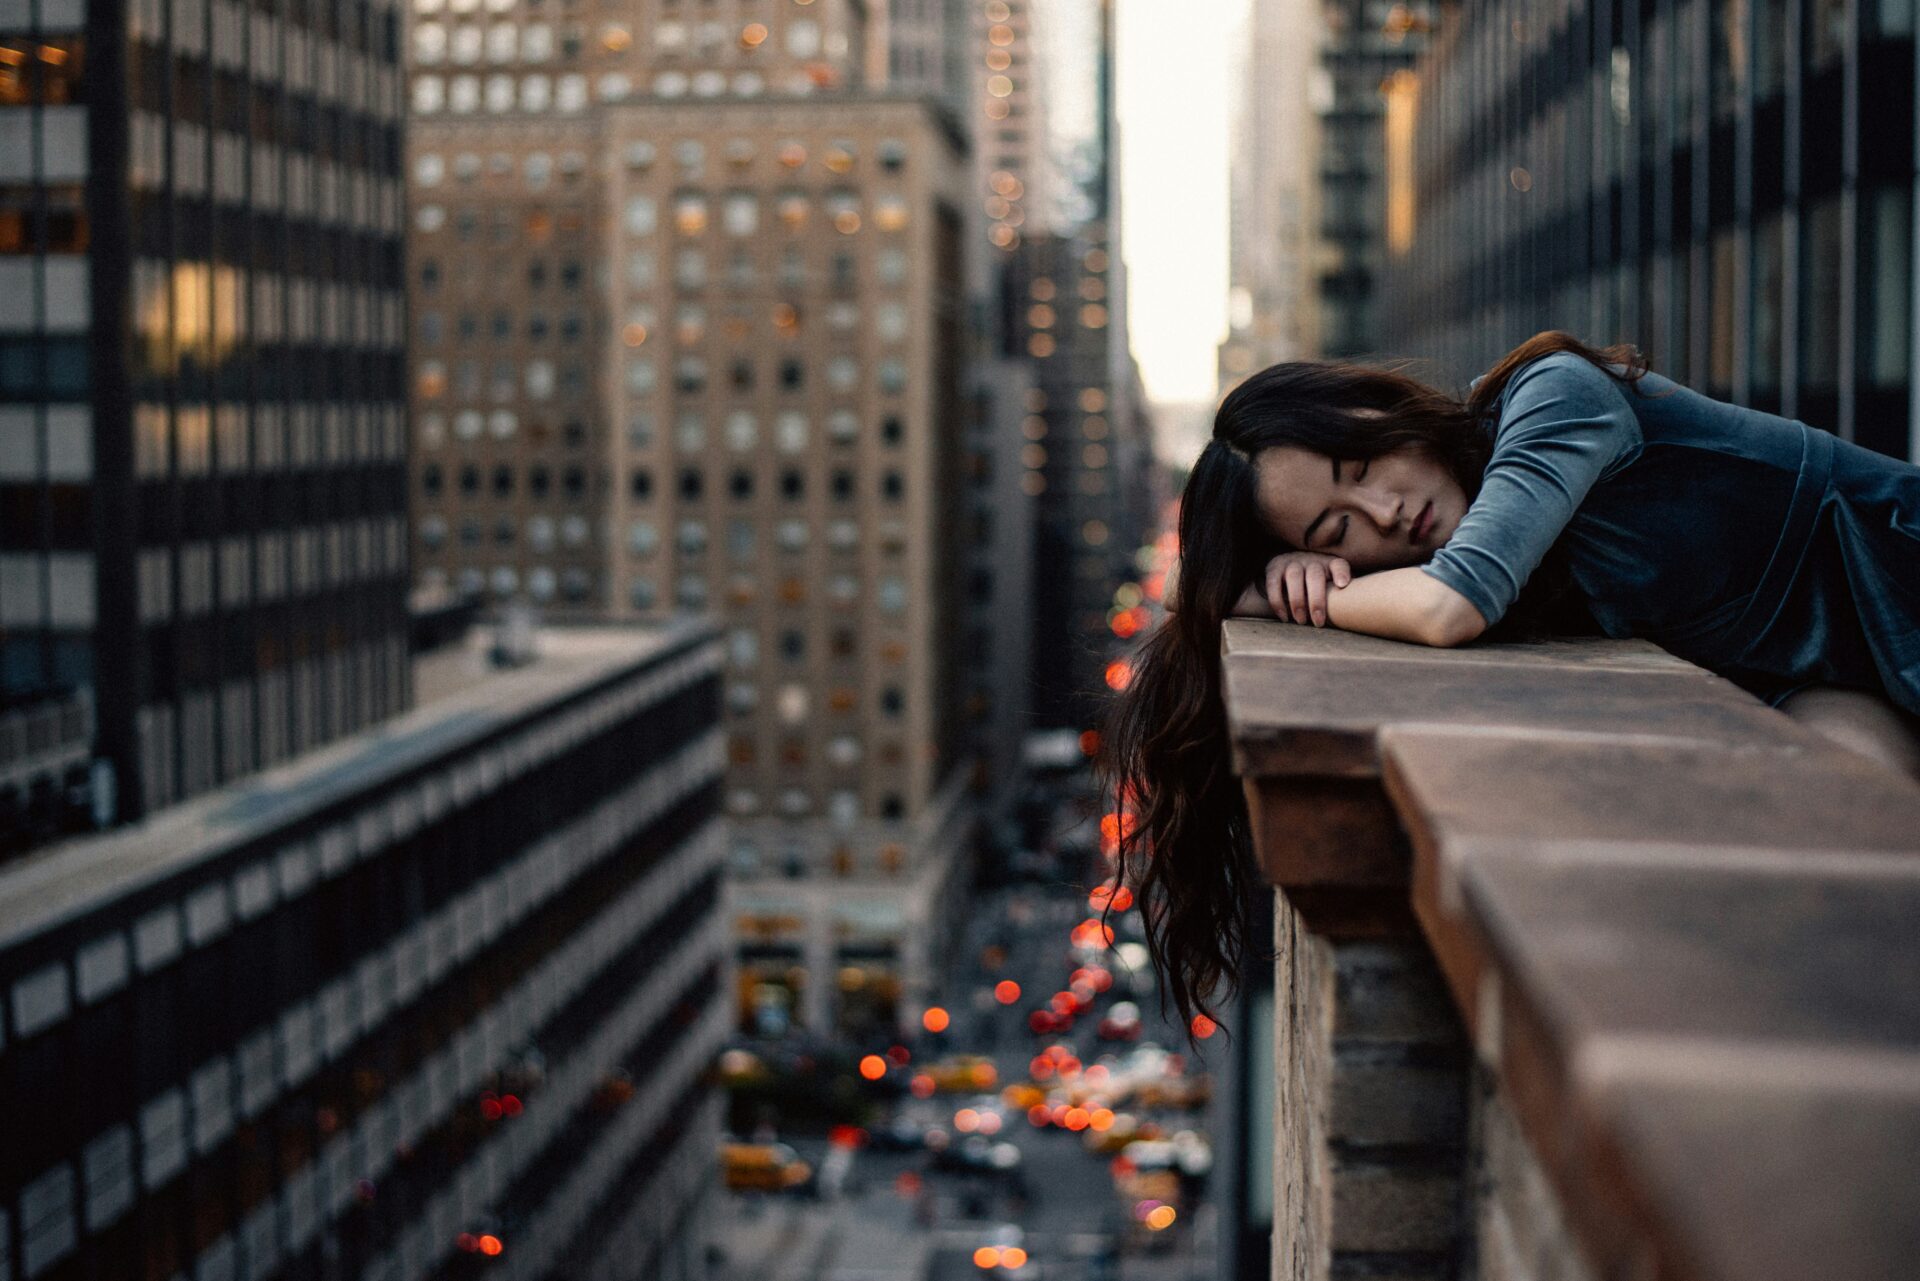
x=1727, y=183
x=436, y=1001
x=202, y=453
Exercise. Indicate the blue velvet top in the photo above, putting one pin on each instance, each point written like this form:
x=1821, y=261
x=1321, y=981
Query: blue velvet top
x=1758, y=547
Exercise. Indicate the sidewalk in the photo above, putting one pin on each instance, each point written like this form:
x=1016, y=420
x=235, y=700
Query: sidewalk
x=777, y=1239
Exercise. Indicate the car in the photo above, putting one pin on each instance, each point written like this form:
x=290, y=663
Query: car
x=1122, y=1023
x=762, y=1167
x=977, y=1154
x=898, y=1134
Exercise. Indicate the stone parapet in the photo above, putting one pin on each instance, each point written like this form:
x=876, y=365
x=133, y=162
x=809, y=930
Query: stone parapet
x=1674, y=928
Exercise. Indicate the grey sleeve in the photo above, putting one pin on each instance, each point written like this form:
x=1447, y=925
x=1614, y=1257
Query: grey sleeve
x=1565, y=423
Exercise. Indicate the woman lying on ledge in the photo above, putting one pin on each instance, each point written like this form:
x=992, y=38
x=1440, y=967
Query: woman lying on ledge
x=1574, y=490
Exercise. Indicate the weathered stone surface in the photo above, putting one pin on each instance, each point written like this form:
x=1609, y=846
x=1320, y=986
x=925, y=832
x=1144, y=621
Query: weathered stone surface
x=1254, y=637
x=1322, y=718
x=1624, y=955
x=1317, y=831
x=1783, y=1181
x=1458, y=791
x=1390, y=1101
x=1384, y=1209
x=1388, y=991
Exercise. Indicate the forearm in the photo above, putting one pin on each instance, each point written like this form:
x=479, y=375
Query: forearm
x=1404, y=605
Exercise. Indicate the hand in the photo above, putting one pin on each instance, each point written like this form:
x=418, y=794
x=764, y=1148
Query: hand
x=1296, y=585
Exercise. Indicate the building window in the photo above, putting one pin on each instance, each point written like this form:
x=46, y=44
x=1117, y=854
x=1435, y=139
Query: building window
x=741, y=214
x=792, y=485
x=692, y=484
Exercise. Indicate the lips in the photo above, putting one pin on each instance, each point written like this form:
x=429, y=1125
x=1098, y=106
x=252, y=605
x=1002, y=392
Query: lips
x=1422, y=524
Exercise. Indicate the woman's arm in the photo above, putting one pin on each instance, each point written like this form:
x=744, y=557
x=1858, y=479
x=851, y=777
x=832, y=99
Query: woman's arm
x=1405, y=605
x=1400, y=604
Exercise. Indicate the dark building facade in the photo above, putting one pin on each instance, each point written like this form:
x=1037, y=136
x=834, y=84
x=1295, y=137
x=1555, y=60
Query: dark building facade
x=436, y=1001
x=202, y=428
x=1368, y=44
x=1087, y=457
x=1727, y=183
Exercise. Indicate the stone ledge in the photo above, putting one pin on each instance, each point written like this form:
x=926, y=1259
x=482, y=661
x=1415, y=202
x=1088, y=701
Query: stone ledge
x=1679, y=928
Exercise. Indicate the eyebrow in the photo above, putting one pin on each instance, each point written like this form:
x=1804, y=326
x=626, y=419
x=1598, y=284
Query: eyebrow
x=1306, y=539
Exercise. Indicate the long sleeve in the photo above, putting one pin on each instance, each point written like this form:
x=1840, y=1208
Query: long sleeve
x=1565, y=425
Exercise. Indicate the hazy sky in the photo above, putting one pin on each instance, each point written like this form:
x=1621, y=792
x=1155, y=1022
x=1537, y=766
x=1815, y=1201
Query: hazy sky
x=1171, y=87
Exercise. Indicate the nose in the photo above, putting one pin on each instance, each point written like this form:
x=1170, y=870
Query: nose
x=1381, y=506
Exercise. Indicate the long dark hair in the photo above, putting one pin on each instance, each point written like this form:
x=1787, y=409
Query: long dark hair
x=1182, y=836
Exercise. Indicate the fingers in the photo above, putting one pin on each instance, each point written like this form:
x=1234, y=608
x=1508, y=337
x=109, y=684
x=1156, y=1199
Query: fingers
x=1296, y=577
x=1342, y=572
x=1317, y=594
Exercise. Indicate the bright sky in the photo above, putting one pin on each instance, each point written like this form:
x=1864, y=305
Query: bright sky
x=1172, y=99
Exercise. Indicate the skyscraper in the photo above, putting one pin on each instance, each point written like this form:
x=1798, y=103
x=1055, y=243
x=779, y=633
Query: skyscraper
x=1274, y=233
x=202, y=442
x=689, y=301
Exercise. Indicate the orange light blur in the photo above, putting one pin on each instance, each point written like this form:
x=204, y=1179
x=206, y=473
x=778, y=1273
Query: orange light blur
x=921, y=1086
x=491, y=1245
x=1077, y=1119
x=1161, y=1216
x=986, y=1257
x=1006, y=991
x=985, y=1076
x=1204, y=1027
x=873, y=1067
x=966, y=1120
x=1119, y=674
x=1013, y=1257
x=935, y=1020
x=1100, y=1119
x=1089, y=742
x=1041, y=1068
x=1040, y=1115
x=1091, y=933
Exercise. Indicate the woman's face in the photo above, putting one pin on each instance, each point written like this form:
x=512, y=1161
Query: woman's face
x=1396, y=510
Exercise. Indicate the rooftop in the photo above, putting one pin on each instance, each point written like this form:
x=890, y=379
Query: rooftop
x=459, y=698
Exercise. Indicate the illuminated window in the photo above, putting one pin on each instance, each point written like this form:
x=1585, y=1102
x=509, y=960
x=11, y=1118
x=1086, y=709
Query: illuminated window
x=790, y=431
x=642, y=215
x=642, y=538
x=843, y=426
x=429, y=43
x=690, y=432
x=536, y=42
x=803, y=38
x=741, y=214
x=742, y=432
x=791, y=535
